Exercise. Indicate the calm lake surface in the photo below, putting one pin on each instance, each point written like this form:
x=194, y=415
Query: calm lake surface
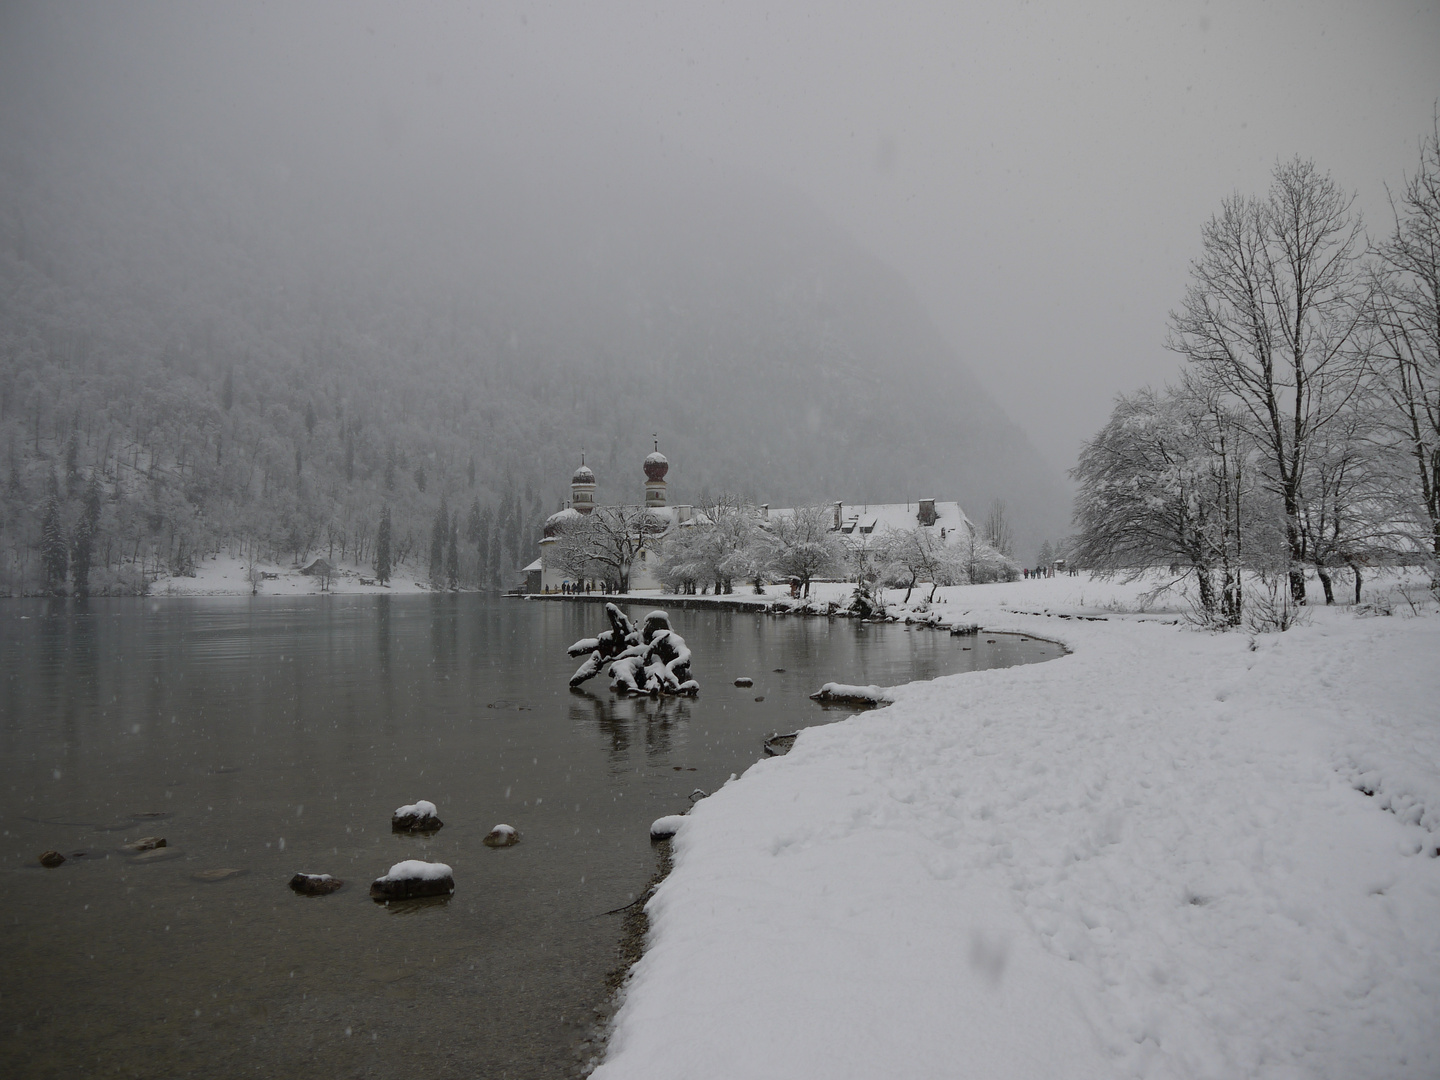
x=273, y=736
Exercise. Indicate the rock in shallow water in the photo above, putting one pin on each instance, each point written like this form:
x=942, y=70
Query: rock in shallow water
x=145, y=843
x=502, y=836
x=51, y=859
x=315, y=884
x=744, y=681
x=411, y=879
x=419, y=817
x=155, y=855
x=220, y=874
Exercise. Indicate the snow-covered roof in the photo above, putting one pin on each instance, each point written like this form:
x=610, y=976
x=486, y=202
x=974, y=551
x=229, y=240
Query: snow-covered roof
x=860, y=520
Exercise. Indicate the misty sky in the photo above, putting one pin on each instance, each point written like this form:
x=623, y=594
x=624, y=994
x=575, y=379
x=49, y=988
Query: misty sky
x=1039, y=172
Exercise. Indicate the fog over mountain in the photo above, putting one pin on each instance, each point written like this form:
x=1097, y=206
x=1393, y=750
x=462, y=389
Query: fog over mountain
x=226, y=268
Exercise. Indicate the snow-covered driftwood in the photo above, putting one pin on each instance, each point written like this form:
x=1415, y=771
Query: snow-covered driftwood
x=651, y=660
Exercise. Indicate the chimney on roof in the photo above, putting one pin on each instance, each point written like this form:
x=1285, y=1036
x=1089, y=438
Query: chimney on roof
x=838, y=511
x=927, y=513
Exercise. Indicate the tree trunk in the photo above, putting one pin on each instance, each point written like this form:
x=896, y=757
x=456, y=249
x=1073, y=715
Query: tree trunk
x=1324, y=575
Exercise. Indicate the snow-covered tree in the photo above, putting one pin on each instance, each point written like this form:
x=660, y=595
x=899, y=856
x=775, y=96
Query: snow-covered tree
x=723, y=544
x=910, y=556
x=805, y=545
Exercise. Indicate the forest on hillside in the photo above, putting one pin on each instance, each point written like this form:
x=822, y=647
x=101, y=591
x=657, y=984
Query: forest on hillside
x=237, y=335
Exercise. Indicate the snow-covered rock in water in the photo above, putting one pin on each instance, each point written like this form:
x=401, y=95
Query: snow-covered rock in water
x=744, y=681
x=417, y=817
x=502, y=836
x=411, y=879
x=315, y=884
x=858, y=695
x=666, y=827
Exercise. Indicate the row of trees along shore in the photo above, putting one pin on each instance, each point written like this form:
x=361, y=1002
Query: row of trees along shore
x=1304, y=432
x=730, y=542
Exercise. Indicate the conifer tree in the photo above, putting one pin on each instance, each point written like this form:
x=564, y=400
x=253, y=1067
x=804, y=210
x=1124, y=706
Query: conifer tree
x=382, y=549
x=85, y=537
x=452, y=559
x=54, y=555
x=438, y=532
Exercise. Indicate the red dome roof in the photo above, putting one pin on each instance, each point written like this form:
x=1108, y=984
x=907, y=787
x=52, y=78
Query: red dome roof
x=656, y=466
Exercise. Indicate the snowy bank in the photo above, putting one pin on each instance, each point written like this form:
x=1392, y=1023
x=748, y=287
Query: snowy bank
x=222, y=575
x=1153, y=857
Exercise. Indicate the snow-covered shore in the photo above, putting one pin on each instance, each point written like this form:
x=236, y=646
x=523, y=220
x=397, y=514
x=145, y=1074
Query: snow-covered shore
x=1154, y=857
x=222, y=575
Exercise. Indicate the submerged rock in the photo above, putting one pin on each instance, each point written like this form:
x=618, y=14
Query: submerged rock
x=420, y=817
x=502, y=836
x=315, y=884
x=219, y=874
x=51, y=859
x=145, y=843
x=778, y=744
x=851, y=695
x=411, y=879
x=160, y=854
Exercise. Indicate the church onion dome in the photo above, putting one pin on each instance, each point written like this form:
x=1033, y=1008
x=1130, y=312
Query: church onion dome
x=583, y=475
x=559, y=522
x=656, y=466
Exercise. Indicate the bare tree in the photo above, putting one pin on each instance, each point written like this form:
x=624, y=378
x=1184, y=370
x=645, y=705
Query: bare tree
x=997, y=529
x=607, y=543
x=1270, y=318
x=1404, y=318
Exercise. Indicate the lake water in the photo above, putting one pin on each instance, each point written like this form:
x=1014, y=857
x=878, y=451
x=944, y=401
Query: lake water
x=272, y=736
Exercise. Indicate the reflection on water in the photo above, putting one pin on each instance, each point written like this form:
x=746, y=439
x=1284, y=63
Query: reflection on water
x=273, y=736
x=624, y=721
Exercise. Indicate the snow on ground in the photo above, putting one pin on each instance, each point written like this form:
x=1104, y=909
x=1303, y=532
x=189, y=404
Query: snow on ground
x=1149, y=858
x=221, y=575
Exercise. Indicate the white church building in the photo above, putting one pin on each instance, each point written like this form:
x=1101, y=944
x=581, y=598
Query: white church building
x=858, y=523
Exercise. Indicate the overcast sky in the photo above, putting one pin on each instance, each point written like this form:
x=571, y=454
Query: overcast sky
x=1039, y=172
